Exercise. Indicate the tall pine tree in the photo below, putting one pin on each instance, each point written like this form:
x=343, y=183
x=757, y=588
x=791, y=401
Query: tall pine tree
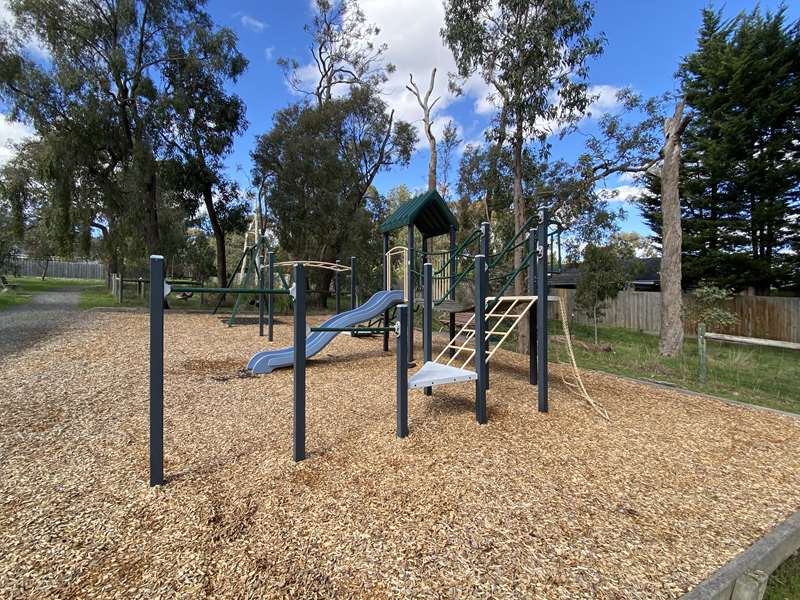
x=740, y=185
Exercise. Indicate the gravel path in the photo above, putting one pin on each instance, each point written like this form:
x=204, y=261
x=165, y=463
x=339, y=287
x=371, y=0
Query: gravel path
x=45, y=315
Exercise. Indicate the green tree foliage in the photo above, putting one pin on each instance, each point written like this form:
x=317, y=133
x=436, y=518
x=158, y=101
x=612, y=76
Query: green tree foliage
x=602, y=274
x=534, y=57
x=708, y=306
x=344, y=50
x=740, y=185
x=207, y=119
x=125, y=86
x=317, y=165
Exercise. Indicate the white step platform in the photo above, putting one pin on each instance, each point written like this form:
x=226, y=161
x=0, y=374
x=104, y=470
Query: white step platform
x=432, y=373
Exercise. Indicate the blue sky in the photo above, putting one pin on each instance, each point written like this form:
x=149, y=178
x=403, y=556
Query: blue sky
x=646, y=41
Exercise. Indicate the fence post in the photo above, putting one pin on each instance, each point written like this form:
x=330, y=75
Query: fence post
x=480, y=339
x=353, y=298
x=451, y=324
x=702, y=371
x=261, y=297
x=271, y=284
x=402, y=372
x=156, y=370
x=337, y=286
x=410, y=284
x=427, y=317
x=486, y=235
x=532, y=331
x=299, y=412
x=387, y=280
x=542, y=292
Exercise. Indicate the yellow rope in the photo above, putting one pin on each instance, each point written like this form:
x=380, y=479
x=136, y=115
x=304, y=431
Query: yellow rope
x=580, y=386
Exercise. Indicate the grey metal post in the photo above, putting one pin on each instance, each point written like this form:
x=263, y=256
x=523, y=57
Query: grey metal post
x=156, y=370
x=427, y=317
x=337, y=286
x=402, y=372
x=541, y=308
x=387, y=286
x=299, y=413
x=480, y=339
x=486, y=232
x=353, y=299
x=261, y=296
x=271, y=284
x=452, y=315
x=410, y=299
x=532, y=330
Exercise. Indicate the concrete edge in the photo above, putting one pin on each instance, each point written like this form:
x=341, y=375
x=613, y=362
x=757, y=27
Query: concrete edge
x=765, y=555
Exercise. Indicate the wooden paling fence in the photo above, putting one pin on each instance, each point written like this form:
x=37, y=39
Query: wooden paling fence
x=767, y=317
x=31, y=267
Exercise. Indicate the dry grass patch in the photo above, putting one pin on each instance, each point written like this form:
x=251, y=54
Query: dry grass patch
x=562, y=505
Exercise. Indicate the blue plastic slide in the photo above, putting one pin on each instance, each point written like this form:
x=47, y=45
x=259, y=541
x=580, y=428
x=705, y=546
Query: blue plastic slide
x=265, y=362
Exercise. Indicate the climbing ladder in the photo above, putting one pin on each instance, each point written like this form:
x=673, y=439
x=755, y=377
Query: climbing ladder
x=500, y=313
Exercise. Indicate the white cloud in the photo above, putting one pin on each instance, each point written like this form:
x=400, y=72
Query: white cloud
x=416, y=50
x=627, y=178
x=269, y=52
x=624, y=193
x=11, y=133
x=31, y=42
x=250, y=22
x=606, y=99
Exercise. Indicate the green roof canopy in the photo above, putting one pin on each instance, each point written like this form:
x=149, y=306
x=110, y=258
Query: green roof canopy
x=428, y=212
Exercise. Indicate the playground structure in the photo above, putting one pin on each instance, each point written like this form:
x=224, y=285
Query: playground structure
x=495, y=317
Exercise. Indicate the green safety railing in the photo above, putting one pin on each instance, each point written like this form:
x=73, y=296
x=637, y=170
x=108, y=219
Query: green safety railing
x=226, y=290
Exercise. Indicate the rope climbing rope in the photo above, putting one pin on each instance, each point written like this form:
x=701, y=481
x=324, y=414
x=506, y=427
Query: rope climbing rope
x=600, y=410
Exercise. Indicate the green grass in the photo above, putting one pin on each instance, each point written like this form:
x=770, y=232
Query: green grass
x=13, y=298
x=36, y=284
x=784, y=584
x=27, y=287
x=757, y=375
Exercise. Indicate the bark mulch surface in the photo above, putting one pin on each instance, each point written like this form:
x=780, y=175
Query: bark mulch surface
x=562, y=505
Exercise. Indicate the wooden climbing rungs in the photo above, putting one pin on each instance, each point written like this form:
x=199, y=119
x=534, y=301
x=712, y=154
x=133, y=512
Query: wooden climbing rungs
x=495, y=312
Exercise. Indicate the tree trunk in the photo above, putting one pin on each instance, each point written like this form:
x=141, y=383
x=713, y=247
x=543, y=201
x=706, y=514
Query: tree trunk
x=427, y=107
x=150, y=202
x=594, y=315
x=219, y=236
x=523, y=343
x=432, y=160
x=494, y=159
x=671, y=340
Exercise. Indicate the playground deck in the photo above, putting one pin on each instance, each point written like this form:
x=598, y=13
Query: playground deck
x=562, y=505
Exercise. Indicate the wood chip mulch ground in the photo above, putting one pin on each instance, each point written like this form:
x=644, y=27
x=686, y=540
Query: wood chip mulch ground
x=562, y=505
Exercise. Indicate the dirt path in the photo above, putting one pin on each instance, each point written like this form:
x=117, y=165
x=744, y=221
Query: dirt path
x=46, y=314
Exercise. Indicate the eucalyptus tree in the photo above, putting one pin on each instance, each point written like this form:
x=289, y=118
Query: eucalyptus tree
x=206, y=120
x=344, y=50
x=317, y=165
x=426, y=104
x=534, y=57
x=319, y=161
x=104, y=89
